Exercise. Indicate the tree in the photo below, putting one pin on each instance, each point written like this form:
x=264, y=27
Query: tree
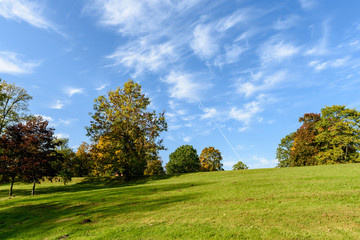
x=65, y=165
x=305, y=147
x=124, y=132
x=183, y=160
x=154, y=167
x=338, y=135
x=240, y=166
x=283, y=152
x=83, y=163
x=13, y=103
x=30, y=150
x=210, y=160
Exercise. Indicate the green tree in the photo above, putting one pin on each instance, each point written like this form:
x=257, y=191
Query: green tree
x=65, y=166
x=13, y=103
x=240, y=166
x=83, y=162
x=338, y=135
x=124, y=132
x=183, y=160
x=210, y=160
x=283, y=152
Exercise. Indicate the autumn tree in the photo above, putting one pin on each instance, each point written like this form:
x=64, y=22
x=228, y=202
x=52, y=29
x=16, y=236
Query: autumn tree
x=154, y=167
x=125, y=133
x=83, y=162
x=13, y=103
x=210, y=160
x=240, y=166
x=31, y=150
x=183, y=160
x=65, y=165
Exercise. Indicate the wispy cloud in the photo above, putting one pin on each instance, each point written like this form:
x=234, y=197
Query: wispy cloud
x=307, y=4
x=71, y=91
x=209, y=113
x=288, y=22
x=62, y=135
x=322, y=65
x=187, y=139
x=11, y=64
x=184, y=86
x=143, y=55
x=277, y=50
x=102, y=87
x=267, y=82
x=204, y=42
x=321, y=48
x=26, y=11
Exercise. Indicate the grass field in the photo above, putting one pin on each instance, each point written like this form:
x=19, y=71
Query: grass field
x=320, y=202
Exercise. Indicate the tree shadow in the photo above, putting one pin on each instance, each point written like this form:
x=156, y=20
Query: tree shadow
x=89, y=183
x=68, y=212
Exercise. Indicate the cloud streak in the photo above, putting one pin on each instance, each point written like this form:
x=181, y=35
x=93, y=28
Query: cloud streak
x=11, y=64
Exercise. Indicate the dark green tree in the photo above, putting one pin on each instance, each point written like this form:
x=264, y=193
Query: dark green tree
x=154, y=167
x=283, y=152
x=183, y=160
x=240, y=166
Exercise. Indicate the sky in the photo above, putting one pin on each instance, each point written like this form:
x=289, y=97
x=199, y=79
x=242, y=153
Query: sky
x=235, y=75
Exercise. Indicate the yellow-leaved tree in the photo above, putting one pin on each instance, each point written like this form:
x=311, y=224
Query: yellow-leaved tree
x=210, y=160
x=124, y=132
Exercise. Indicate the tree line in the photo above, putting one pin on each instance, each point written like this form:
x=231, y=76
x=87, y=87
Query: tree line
x=329, y=137
x=124, y=141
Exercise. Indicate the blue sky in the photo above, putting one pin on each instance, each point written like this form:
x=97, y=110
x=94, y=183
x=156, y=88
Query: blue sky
x=235, y=75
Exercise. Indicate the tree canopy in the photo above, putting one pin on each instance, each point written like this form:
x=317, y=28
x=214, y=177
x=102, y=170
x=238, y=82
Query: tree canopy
x=183, y=160
x=240, y=166
x=210, y=160
x=327, y=138
x=125, y=133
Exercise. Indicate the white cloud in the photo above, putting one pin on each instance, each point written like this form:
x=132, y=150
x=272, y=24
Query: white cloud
x=204, y=43
x=319, y=66
x=209, y=113
x=249, y=88
x=71, y=91
x=240, y=15
x=261, y=162
x=282, y=24
x=277, y=50
x=321, y=48
x=247, y=113
x=58, y=104
x=187, y=139
x=231, y=55
x=101, y=87
x=307, y=4
x=184, y=86
x=144, y=55
x=62, y=135
x=26, y=11
x=11, y=64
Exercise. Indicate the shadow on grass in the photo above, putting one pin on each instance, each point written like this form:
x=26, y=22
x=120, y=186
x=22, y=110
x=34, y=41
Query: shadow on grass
x=89, y=183
x=66, y=213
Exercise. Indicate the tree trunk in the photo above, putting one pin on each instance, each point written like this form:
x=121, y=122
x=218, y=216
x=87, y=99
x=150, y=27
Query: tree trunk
x=33, y=189
x=11, y=186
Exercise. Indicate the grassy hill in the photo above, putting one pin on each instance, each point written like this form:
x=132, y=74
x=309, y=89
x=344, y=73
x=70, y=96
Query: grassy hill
x=320, y=202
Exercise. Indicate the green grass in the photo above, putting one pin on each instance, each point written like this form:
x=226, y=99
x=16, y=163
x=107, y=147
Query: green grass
x=320, y=202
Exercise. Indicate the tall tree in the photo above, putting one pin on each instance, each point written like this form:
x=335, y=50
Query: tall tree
x=124, y=131
x=13, y=103
x=183, y=160
x=83, y=162
x=210, y=159
x=31, y=150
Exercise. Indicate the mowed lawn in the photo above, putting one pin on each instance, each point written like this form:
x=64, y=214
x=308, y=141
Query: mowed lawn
x=321, y=202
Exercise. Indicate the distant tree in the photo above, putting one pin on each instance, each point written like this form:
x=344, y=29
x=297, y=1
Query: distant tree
x=66, y=164
x=210, y=160
x=124, y=131
x=338, y=135
x=183, y=160
x=32, y=149
x=83, y=162
x=13, y=103
x=283, y=152
x=154, y=167
x=240, y=166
